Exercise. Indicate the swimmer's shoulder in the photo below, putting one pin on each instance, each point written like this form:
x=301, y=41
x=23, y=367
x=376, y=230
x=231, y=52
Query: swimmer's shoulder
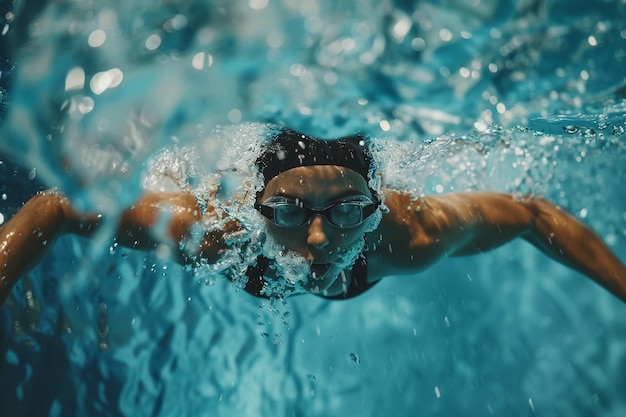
x=399, y=245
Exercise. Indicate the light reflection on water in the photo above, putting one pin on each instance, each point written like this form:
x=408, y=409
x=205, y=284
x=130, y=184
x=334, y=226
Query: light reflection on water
x=479, y=94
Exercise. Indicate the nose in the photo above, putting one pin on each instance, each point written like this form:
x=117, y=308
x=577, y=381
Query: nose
x=317, y=236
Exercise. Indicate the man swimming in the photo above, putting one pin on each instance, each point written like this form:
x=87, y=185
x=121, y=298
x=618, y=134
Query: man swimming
x=320, y=207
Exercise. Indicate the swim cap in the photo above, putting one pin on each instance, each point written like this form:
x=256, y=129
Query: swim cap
x=290, y=149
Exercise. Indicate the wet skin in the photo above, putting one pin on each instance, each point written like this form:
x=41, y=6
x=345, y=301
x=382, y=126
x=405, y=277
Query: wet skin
x=318, y=241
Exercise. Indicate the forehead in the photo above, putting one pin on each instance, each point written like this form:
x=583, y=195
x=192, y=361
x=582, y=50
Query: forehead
x=318, y=182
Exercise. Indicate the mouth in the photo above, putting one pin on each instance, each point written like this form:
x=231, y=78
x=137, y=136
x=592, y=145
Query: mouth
x=318, y=271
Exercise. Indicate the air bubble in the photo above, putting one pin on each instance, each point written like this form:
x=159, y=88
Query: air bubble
x=589, y=133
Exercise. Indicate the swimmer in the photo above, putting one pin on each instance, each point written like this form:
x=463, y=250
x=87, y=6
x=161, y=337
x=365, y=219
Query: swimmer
x=318, y=205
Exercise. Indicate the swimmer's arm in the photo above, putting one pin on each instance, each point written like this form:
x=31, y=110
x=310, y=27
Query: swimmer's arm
x=180, y=213
x=28, y=235
x=418, y=232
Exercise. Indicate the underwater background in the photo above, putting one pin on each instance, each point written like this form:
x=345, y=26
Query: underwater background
x=518, y=96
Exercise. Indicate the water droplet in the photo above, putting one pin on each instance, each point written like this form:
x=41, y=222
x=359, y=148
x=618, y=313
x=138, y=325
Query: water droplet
x=589, y=133
x=618, y=130
x=355, y=358
x=570, y=129
x=531, y=404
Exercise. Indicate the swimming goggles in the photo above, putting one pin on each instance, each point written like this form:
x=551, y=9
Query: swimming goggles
x=291, y=212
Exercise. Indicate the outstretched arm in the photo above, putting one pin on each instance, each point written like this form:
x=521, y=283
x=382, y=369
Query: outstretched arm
x=420, y=231
x=26, y=237
x=168, y=218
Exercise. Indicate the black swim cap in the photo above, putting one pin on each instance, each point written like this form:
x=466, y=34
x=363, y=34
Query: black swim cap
x=290, y=149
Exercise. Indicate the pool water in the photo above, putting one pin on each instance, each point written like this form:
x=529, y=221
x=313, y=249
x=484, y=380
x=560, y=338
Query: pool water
x=522, y=97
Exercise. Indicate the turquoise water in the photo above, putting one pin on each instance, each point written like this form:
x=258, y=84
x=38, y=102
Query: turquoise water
x=465, y=95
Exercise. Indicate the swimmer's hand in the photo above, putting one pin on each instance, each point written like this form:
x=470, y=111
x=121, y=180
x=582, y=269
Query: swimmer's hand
x=169, y=219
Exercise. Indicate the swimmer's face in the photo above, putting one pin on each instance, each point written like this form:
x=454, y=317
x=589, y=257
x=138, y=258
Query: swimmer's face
x=317, y=240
